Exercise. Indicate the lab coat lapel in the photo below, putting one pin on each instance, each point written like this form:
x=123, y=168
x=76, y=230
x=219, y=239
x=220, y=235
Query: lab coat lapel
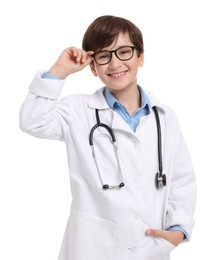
x=119, y=124
x=97, y=100
x=114, y=120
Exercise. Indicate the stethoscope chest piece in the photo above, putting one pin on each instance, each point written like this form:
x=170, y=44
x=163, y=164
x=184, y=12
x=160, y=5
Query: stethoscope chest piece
x=160, y=180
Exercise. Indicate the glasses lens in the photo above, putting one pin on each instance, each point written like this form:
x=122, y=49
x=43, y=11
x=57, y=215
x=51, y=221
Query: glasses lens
x=102, y=57
x=124, y=53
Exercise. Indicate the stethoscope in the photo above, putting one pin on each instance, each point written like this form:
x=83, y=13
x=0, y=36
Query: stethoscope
x=160, y=179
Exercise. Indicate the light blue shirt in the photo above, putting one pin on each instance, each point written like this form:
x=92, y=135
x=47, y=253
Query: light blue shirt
x=132, y=121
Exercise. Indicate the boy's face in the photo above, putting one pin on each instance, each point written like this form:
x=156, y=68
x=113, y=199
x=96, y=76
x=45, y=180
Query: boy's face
x=118, y=75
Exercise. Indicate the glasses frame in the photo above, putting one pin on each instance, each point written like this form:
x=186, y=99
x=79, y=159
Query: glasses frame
x=114, y=51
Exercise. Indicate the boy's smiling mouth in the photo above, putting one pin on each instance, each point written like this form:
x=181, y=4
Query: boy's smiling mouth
x=117, y=75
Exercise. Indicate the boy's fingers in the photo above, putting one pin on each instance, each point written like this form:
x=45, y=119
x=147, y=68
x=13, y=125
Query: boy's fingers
x=157, y=233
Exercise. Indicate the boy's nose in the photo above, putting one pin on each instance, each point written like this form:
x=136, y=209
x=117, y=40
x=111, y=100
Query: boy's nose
x=115, y=62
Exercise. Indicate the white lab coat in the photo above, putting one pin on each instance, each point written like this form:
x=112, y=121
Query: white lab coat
x=111, y=224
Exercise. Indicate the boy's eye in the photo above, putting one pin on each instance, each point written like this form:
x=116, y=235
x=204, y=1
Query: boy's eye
x=124, y=51
x=103, y=55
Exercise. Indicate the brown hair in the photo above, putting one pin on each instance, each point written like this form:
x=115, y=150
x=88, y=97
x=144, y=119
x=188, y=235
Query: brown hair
x=103, y=31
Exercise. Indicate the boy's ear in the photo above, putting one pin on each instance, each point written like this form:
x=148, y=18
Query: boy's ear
x=93, y=69
x=141, y=59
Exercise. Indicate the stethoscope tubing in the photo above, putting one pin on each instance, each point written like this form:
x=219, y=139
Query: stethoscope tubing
x=159, y=143
x=160, y=177
x=99, y=124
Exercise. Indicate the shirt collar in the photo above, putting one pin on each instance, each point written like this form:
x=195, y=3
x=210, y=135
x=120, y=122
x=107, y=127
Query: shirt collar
x=111, y=100
x=98, y=100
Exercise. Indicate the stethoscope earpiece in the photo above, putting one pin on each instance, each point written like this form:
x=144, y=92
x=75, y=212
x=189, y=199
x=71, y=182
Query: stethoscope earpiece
x=121, y=185
x=107, y=186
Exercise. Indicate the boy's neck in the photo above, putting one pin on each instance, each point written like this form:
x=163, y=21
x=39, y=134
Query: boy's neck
x=130, y=98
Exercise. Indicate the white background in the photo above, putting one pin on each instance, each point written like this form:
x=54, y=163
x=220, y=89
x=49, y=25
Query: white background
x=183, y=65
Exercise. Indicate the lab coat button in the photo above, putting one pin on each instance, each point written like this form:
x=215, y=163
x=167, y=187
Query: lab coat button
x=135, y=142
x=138, y=217
x=132, y=250
x=136, y=180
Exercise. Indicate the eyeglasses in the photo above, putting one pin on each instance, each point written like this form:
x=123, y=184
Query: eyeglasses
x=123, y=53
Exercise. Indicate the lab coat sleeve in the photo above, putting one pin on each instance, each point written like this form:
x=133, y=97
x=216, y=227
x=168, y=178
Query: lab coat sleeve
x=39, y=114
x=182, y=196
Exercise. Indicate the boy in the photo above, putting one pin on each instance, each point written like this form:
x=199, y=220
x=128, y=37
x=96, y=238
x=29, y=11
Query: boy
x=119, y=211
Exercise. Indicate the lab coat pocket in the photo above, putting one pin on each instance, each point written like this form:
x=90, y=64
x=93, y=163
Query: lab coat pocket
x=92, y=237
x=164, y=245
x=160, y=249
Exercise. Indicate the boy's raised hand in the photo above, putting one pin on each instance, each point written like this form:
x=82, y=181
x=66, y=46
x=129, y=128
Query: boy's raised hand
x=70, y=61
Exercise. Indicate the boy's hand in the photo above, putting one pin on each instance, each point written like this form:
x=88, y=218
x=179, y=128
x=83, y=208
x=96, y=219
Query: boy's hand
x=174, y=237
x=70, y=61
